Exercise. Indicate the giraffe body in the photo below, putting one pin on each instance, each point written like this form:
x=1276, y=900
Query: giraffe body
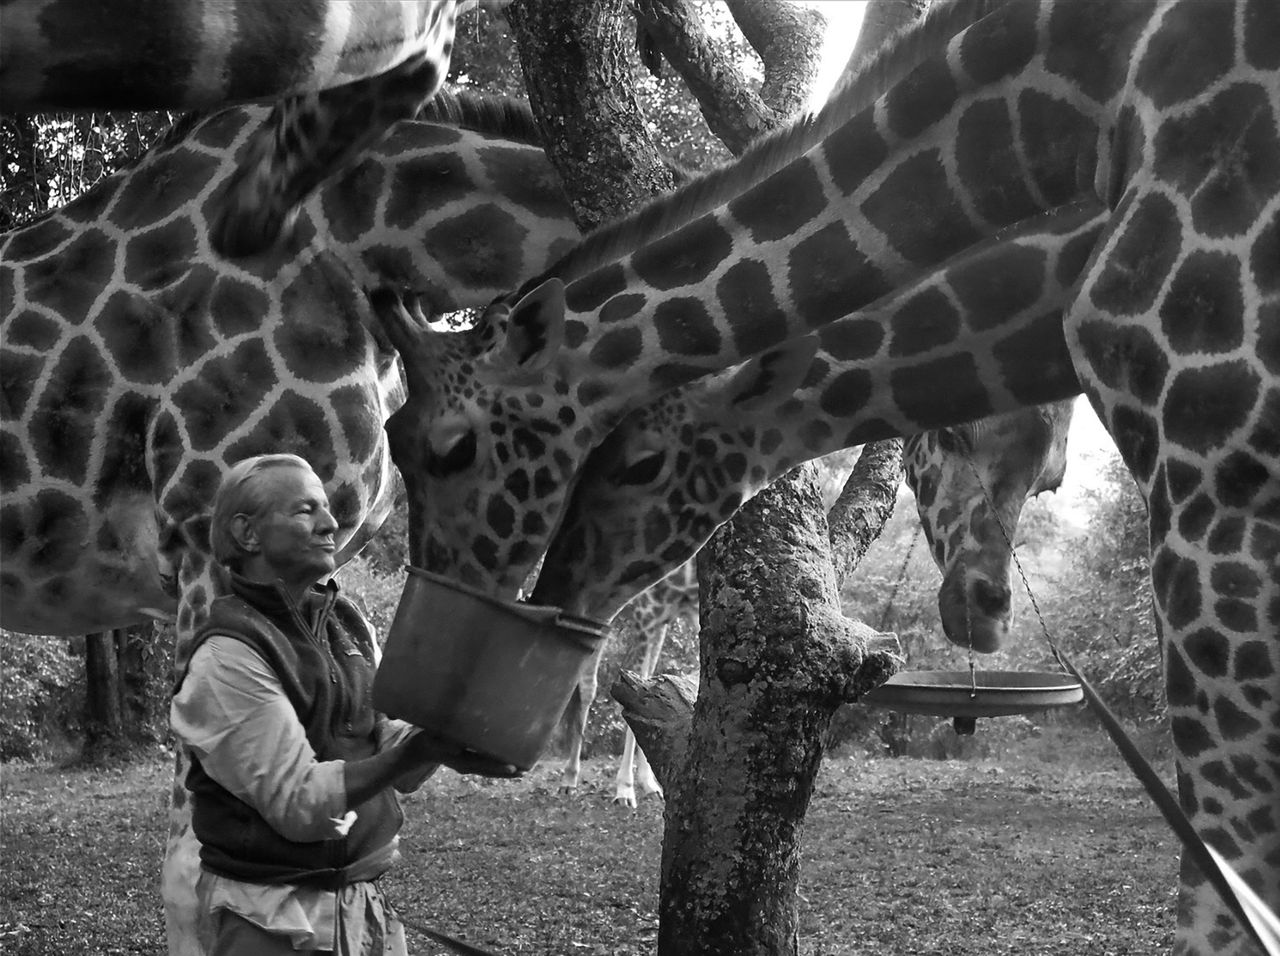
x=137, y=366
x=345, y=70
x=1161, y=118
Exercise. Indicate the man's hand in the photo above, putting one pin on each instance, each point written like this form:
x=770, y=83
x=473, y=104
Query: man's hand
x=424, y=748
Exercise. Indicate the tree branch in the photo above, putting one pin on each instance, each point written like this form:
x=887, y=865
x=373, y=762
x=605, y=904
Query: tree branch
x=788, y=38
x=864, y=505
x=577, y=71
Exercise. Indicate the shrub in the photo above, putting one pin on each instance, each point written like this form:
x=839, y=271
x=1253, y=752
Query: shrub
x=37, y=700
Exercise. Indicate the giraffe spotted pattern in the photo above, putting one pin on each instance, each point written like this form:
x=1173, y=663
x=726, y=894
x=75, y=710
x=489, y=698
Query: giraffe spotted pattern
x=136, y=365
x=344, y=70
x=1160, y=118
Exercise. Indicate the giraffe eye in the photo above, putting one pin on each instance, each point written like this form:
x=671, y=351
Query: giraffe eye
x=641, y=471
x=953, y=440
x=461, y=454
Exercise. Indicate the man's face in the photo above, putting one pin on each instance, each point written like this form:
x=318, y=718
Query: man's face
x=295, y=531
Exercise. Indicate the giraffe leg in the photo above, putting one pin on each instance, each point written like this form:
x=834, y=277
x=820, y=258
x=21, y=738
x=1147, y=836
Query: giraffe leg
x=634, y=765
x=310, y=138
x=575, y=717
x=180, y=870
x=624, y=786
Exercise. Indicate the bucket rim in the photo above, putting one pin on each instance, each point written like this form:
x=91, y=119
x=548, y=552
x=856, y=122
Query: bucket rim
x=587, y=626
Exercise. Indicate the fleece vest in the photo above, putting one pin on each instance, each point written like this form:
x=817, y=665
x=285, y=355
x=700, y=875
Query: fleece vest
x=322, y=651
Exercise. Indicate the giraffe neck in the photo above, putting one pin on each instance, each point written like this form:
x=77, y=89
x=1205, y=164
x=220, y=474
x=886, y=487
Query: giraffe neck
x=879, y=202
x=950, y=157
x=648, y=496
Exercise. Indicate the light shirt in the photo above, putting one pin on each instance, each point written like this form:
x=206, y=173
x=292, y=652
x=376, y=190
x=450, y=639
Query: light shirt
x=232, y=712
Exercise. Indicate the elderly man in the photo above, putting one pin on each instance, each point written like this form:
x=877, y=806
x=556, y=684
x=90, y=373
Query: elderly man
x=292, y=771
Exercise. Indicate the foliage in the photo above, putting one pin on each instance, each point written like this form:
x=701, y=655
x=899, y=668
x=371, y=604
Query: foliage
x=37, y=699
x=1103, y=607
x=50, y=159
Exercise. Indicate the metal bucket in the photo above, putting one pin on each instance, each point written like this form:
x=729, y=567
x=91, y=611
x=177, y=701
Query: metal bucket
x=490, y=675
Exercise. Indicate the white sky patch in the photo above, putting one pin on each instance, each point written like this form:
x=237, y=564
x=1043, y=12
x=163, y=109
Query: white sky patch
x=844, y=20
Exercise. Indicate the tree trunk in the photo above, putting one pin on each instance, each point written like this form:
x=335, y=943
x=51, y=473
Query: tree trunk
x=126, y=692
x=777, y=658
x=103, y=718
x=788, y=39
x=578, y=72
x=882, y=20
x=777, y=655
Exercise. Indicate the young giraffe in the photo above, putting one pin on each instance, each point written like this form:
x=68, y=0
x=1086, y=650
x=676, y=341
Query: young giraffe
x=649, y=614
x=345, y=69
x=136, y=365
x=1160, y=117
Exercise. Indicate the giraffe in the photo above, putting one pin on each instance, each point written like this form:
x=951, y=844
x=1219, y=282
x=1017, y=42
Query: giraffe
x=608, y=530
x=970, y=482
x=344, y=70
x=650, y=614
x=1160, y=119
x=671, y=472
x=136, y=365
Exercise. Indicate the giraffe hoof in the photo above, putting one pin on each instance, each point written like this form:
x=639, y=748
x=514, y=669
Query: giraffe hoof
x=625, y=800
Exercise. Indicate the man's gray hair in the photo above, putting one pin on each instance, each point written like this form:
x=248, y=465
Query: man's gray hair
x=238, y=493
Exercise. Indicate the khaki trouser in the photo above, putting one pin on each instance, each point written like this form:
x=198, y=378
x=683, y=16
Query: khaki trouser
x=235, y=936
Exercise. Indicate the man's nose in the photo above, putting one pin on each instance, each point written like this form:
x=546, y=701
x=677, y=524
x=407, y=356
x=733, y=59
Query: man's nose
x=326, y=523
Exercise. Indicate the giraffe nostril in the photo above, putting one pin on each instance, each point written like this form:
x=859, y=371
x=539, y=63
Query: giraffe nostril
x=991, y=599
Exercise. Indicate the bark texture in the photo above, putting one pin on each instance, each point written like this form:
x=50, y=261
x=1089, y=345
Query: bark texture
x=882, y=20
x=777, y=655
x=865, y=504
x=788, y=39
x=777, y=658
x=575, y=57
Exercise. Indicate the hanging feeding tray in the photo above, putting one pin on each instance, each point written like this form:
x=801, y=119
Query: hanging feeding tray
x=982, y=694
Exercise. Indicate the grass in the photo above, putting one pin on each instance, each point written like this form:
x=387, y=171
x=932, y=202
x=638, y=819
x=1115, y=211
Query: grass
x=1050, y=849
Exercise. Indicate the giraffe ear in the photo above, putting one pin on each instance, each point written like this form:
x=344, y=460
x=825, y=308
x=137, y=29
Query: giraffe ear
x=772, y=377
x=535, y=328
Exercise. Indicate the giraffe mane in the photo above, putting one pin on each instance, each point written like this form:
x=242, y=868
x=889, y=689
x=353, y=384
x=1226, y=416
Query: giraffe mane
x=176, y=132
x=902, y=52
x=505, y=116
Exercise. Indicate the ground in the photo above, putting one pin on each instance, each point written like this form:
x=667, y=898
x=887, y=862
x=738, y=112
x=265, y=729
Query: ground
x=1051, y=848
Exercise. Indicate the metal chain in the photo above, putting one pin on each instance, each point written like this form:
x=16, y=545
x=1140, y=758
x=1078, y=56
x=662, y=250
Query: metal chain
x=902, y=573
x=1008, y=540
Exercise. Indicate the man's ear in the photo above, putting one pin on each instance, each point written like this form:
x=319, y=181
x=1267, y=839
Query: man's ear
x=244, y=533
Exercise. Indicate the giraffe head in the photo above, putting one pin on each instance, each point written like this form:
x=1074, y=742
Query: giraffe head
x=970, y=483
x=466, y=422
